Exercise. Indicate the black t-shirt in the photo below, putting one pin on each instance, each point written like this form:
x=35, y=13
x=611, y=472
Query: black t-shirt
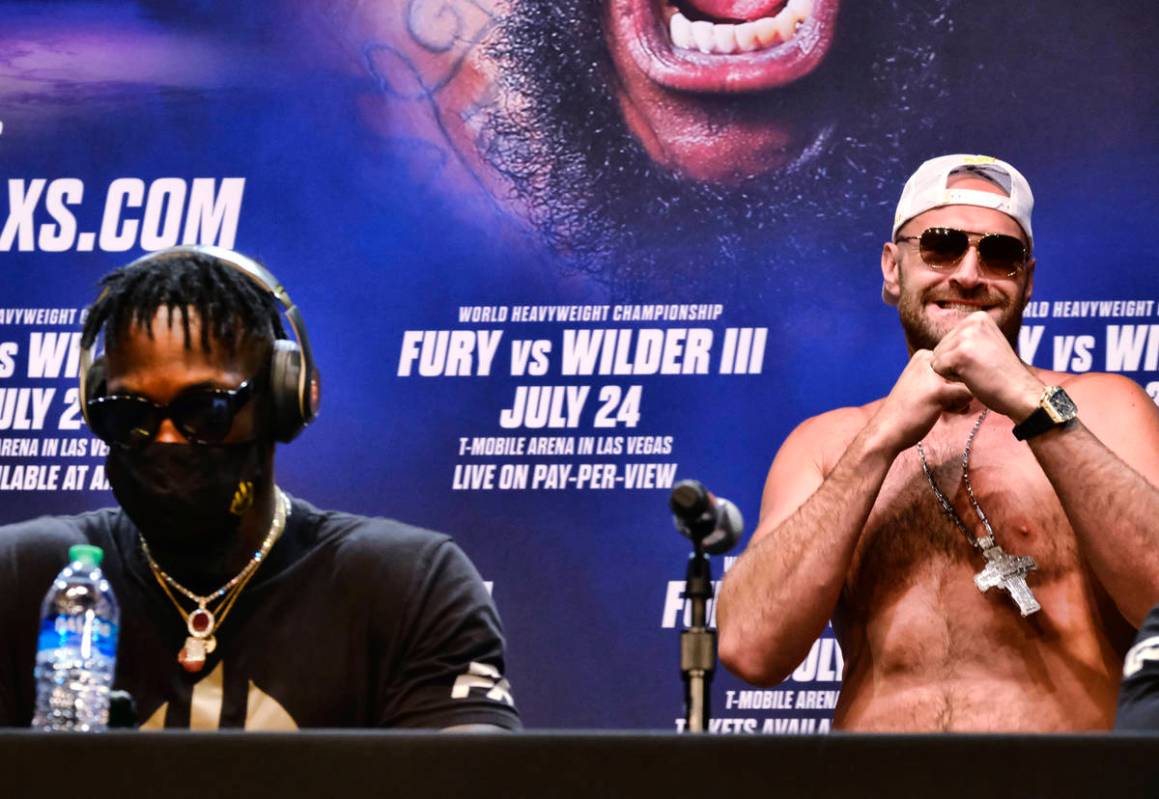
x=350, y=622
x=1139, y=692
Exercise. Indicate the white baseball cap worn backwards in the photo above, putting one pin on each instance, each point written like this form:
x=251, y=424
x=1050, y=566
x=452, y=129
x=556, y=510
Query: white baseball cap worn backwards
x=927, y=188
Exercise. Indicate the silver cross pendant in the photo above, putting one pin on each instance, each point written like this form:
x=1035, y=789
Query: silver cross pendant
x=1008, y=572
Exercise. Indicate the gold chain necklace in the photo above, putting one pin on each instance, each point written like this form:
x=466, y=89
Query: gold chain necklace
x=202, y=622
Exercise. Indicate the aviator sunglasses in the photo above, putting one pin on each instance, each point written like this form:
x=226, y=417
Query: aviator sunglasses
x=943, y=248
x=201, y=415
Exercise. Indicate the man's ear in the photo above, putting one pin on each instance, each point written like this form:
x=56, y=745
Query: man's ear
x=890, y=274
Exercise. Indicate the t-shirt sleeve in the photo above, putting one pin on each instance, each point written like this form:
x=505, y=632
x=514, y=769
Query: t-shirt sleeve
x=1139, y=692
x=451, y=666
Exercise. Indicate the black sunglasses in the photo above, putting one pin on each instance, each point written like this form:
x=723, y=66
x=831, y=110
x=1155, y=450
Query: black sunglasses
x=943, y=248
x=202, y=415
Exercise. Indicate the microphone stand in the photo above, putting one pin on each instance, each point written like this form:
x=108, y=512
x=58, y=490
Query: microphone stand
x=697, y=642
x=714, y=525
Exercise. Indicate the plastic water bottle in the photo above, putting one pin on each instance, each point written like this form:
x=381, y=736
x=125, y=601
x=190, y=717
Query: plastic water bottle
x=77, y=650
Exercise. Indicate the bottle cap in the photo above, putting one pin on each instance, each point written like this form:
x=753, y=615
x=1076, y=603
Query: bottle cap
x=86, y=554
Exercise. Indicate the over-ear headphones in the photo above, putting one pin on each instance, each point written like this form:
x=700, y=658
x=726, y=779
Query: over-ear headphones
x=294, y=383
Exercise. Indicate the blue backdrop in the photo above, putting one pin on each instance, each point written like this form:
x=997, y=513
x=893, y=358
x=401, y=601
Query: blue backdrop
x=489, y=172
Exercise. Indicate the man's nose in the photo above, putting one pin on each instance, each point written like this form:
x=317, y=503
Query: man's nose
x=968, y=271
x=168, y=433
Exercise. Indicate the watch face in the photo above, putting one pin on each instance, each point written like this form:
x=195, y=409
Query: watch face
x=1060, y=407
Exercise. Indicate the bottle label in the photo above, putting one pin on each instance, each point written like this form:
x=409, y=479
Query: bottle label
x=88, y=633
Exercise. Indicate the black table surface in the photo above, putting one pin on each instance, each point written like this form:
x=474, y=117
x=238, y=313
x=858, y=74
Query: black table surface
x=566, y=764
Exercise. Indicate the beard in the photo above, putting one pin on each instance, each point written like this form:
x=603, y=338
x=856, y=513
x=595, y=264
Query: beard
x=601, y=203
x=923, y=333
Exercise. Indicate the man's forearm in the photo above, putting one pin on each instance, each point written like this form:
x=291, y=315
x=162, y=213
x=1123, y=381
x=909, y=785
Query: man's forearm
x=1113, y=510
x=779, y=594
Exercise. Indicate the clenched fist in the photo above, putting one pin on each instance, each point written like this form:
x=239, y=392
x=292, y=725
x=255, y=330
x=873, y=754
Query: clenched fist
x=917, y=399
x=977, y=355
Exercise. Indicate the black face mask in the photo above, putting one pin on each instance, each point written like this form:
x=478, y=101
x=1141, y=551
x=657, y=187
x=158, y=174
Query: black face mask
x=187, y=498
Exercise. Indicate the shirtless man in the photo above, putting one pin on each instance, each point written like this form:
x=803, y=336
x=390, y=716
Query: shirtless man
x=851, y=527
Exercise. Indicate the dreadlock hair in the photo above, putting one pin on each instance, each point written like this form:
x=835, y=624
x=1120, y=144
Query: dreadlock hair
x=230, y=306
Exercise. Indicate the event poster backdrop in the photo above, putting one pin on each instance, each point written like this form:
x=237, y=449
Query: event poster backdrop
x=551, y=261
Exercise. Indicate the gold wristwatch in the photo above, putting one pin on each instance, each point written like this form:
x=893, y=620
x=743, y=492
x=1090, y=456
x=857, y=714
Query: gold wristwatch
x=1055, y=409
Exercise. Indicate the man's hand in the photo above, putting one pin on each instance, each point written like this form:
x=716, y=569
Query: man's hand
x=918, y=398
x=977, y=354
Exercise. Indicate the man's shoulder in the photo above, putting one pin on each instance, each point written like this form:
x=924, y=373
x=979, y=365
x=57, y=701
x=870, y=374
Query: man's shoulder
x=371, y=538
x=839, y=420
x=1094, y=387
x=57, y=533
x=833, y=428
x=1109, y=404
x=818, y=442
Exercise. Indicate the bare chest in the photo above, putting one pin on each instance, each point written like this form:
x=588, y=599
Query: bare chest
x=913, y=624
x=909, y=537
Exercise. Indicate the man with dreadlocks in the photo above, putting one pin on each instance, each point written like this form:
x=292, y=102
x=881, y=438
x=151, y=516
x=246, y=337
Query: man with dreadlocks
x=242, y=606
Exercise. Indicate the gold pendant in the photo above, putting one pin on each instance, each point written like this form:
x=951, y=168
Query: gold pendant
x=192, y=655
x=201, y=622
x=200, y=641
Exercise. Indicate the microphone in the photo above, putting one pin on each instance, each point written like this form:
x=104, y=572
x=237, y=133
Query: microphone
x=713, y=522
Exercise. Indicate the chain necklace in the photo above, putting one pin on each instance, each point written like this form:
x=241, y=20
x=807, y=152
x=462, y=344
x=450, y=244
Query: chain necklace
x=1005, y=571
x=202, y=622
